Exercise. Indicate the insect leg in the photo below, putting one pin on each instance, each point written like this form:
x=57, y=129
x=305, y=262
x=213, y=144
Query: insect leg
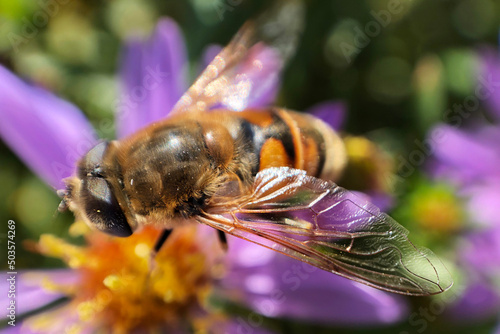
x=222, y=239
x=161, y=240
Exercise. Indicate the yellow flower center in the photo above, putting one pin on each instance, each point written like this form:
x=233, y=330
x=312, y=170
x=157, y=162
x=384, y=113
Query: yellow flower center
x=369, y=168
x=122, y=290
x=437, y=209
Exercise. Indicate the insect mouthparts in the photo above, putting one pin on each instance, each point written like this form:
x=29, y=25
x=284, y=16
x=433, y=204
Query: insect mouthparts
x=63, y=194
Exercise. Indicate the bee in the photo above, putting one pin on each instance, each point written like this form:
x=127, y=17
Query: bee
x=262, y=174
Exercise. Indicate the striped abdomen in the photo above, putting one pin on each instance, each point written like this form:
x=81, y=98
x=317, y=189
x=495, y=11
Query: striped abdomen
x=279, y=137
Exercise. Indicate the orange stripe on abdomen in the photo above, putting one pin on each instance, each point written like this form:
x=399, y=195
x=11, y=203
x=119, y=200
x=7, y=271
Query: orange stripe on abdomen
x=308, y=142
x=282, y=138
x=273, y=154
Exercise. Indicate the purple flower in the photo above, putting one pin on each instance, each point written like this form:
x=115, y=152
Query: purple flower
x=50, y=135
x=476, y=173
x=47, y=133
x=469, y=158
x=330, y=112
x=153, y=78
x=276, y=286
x=32, y=296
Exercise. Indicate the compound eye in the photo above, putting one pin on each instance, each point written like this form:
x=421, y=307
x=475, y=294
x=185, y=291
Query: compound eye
x=91, y=162
x=102, y=208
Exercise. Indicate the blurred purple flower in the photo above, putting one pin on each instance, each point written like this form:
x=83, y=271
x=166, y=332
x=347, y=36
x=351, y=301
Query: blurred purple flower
x=32, y=296
x=469, y=158
x=482, y=158
x=50, y=135
x=476, y=173
x=153, y=77
x=276, y=286
x=330, y=112
x=47, y=133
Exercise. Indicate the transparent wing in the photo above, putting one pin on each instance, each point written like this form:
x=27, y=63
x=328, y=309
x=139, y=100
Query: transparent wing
x=328, y=227
x=246, y=72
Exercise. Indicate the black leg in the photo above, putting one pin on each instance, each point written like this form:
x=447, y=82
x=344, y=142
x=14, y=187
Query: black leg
x=222, y=239
x=161, y=240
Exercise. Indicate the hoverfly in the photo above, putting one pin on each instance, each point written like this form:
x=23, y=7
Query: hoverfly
x=265, y=175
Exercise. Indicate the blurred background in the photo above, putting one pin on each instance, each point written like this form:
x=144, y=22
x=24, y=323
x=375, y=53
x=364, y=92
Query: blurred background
x=398, y=66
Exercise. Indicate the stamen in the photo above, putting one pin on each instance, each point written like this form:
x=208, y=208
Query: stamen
x=117, y=287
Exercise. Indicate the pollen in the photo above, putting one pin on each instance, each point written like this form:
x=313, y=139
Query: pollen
x=122, y=291
x=142, y=250
x=56, y=247
x=112, y=282
x=78, y=228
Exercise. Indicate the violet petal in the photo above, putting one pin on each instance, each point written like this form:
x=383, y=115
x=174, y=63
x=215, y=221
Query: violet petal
x=481, y=159
x=484, y=202
x=278, y=286
x=47, y=133
x=481, y=251
x=130, y=111
x=479, y=301
x=209, y=54
x=30, y=293
x=63, y=319
x=153, y=78
x=330, y=112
